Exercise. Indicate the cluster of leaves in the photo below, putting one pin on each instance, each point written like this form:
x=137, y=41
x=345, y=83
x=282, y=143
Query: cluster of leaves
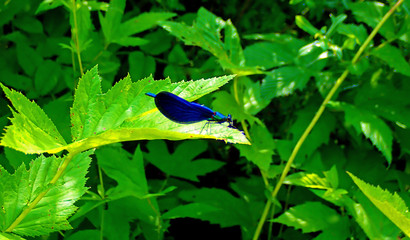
x=279, y=82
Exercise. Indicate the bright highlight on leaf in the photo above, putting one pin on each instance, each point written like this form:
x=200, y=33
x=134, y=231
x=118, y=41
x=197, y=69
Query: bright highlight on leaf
x=31, y=130
x=20, y=191
x=391, y=205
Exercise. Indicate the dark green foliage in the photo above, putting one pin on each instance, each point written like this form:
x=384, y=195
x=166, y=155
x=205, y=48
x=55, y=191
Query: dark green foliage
x=275, y=62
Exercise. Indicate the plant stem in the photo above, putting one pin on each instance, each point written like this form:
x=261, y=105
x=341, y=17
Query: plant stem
x=77, y=42
x=236, y=95
x=318, y=115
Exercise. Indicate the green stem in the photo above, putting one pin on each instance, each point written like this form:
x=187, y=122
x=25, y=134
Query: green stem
x=318, y=115
x=77, y=42
x=236, y=95
x=102, y=194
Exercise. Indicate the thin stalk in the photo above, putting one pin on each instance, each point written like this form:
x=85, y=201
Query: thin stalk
x=102, y=223
x=101, y=182
x=236, y=95
x=318, y=115
x=77, y=41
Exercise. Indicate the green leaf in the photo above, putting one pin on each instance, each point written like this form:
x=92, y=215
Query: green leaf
x=31, y=130
x=116, y=221
x=336, y=22
x=205, y=33
x=158, y=42
x=356, y=32
x=220, y=207
x=18, y=191
x=273, y=54
x=284, y=81
x=319, y=136
x=59, y=112
x=369, y=218
x=117, y=32
x=16, y=81
x=388, y=99
x=85, y=106
x=262, y=148
x=83, y=25
x=28, y=58
x=309, y=180
x=48, y=5
x=232, y=45
x=8, y=236
x=28, y=24
x=393, y=57
x=47, y=76
x=305, y=25
x=143, y=22
x=313, y=217
x=370, y=125
x=372, y=13
x=178, y=56
x=130, y=175
x=125, y=113
x=252, y=97
x=141, y=66
x=392, y=206
x=222, y=98
x=175, y=72
x=16, y=158
x=193, y=210
x=180, y=163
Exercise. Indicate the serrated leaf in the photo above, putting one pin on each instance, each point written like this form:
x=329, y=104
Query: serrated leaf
x=372, y=13
x=393, y=57
x=370, y=219
x=18, y=192
x=85, y=104
x=125, y=113
x=386, y=99
x=370, y=125
x=205, y=33
x=392, y=206
x=180, y=163
x=31, y=130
